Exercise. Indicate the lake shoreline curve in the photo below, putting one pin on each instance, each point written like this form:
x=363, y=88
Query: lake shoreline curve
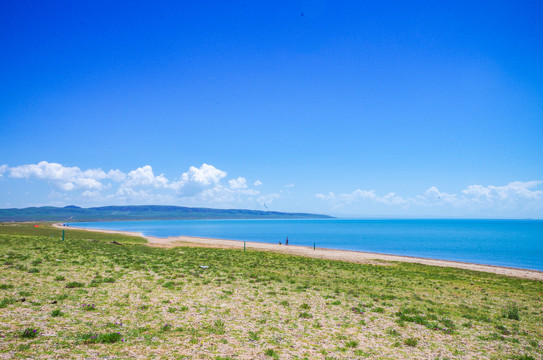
x=318, y=253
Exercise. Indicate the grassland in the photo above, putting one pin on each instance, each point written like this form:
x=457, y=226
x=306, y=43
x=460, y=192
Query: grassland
x=98, y=296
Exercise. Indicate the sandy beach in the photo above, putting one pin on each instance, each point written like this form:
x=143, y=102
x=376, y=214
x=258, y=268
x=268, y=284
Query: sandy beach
x=320, y=253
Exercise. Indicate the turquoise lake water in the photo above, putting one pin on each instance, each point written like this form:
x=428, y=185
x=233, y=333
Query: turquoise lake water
x=512, y=243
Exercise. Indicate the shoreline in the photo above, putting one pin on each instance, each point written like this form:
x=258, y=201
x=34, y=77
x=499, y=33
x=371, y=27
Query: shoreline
x=319, y=253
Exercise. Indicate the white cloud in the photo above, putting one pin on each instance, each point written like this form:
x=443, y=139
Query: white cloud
x=45, y=170
x=509, y=192
x=257, y=183
x=345, y=199
x=197, y=180
x=239, y=183
x=90, y=194
x=144, y=177
x=289, y=185
x=434, y=196
x=116, y=175
x=515, y=195
x=201, y=186
x=205, y=175
x=392, y=199
x=139, y=183
x=66, y=178
x=348, y=198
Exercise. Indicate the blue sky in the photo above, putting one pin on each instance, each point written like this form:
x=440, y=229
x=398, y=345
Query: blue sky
x=361, y=109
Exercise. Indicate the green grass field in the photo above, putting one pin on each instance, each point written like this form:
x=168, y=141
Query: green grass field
x=89, y=298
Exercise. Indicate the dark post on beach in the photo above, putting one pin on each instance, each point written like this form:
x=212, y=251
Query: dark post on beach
x=62, y=235
x=244, y=246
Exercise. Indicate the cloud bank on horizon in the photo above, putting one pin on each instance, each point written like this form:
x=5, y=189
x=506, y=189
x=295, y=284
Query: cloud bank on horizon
x=198, y=185
x=208, y=186
x=515, y=195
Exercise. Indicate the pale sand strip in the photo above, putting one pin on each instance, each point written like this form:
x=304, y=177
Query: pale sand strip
x=319, y=253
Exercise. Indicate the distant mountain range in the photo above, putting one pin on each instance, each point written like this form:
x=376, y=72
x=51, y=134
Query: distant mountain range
x=141, y=212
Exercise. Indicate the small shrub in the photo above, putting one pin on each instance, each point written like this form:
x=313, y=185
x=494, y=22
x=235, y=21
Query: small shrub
x=448, y=323
x=411, y=342
x=56, y=313
x=511, y=311
x=6, y=286
x=59, y=278
x=305, y=315
x=253, y=335
x=271, y=352
x=217, y=327
x=30, y=333
x=502, y=329
x=88, y=307
x=6, y=301
x=107, y=338
x=432, y=325
x=33, y=270
x=166, y=327
x=95, y=282
x=305, y=307
x=351, y=344
x=357, y=310
x=74, y=284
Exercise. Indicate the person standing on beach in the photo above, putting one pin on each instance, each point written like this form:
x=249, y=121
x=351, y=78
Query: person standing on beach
x=286, y=241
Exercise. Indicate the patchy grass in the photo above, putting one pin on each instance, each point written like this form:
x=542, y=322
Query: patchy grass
x=30, y=333
x=91, y=298
x=97, y=338
x=511, y=311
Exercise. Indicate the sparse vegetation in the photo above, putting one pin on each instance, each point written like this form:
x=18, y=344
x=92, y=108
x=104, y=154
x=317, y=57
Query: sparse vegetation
x=56, y=313
x=91, y=296
x=511, y=311
x=74, y=284
x=30, y=333
x=105, y=338
x=411, y=342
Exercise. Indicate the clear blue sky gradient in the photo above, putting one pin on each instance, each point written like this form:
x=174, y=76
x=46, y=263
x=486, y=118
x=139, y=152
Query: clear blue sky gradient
x=395, y=97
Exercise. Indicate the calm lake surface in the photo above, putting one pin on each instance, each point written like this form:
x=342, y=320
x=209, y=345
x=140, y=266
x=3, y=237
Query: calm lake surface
x=512, y=243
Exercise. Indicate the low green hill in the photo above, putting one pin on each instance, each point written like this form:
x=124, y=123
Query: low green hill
x=140, y=212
